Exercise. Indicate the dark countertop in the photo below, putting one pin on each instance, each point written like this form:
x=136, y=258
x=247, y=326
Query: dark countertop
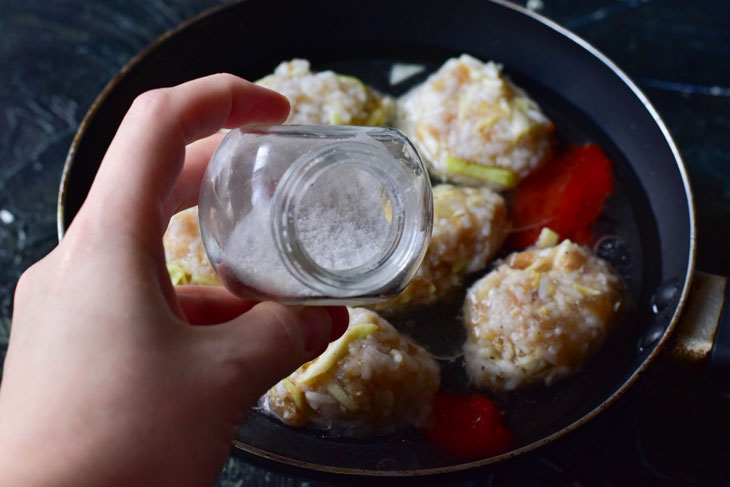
x=57, y=55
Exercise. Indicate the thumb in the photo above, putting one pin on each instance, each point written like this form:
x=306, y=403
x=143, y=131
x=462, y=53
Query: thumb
x=271, y=340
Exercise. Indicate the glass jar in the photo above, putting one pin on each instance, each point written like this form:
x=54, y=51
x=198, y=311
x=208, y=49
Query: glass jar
x=316, y=214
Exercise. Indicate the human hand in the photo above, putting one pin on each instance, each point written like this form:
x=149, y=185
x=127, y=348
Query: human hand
x=105, y=382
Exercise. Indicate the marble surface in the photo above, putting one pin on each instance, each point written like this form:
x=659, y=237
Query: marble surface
x=56, y=55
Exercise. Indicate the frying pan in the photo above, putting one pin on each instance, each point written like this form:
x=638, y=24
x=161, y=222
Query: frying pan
x=648, y=225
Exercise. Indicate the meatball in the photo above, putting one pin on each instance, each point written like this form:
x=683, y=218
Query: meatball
x=327, y=98
x=371, y=381
x=473, y=126
x=469, y=226
x=185, y=254
x=539, y=316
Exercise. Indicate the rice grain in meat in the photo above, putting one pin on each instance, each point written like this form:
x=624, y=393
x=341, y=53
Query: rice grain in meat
x=468, y=120
x=326, y=97
x=539, y=316
x=369, y=382
x=469, y=226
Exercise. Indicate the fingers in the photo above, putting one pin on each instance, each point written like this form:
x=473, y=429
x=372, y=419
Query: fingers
x=146, y=155
x=276, y=339
x=187, y=188
x=210, y=305
x=271, y=341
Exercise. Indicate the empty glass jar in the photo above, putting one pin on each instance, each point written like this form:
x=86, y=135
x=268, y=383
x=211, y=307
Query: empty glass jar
x=316, y=214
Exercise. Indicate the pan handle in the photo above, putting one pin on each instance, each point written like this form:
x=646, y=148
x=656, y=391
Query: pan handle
x=703, y=332
x=720, y=354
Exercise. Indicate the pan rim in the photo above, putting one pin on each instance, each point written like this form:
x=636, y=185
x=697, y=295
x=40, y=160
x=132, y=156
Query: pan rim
x=462, y=467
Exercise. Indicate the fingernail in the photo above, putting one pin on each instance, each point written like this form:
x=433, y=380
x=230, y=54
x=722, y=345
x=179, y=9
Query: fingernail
x=340, y=320
x=317, y=325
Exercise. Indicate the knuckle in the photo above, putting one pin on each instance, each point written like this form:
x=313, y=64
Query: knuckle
x=85, y=229
x=151, y=103
x=26, y=283
x=228, y=78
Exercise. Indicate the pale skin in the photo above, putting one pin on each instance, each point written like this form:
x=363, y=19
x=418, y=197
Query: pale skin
x=105, y=381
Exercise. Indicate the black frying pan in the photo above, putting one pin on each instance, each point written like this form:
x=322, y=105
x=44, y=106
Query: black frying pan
x=648, y=223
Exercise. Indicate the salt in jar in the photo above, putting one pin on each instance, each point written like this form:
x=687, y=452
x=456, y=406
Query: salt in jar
x=316, y=214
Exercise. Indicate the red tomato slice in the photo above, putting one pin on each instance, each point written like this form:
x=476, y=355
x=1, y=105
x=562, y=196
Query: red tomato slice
x=468, y=427
x=567, y=195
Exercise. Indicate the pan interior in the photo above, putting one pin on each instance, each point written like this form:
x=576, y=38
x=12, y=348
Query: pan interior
x=530, y=414
x=651, y=252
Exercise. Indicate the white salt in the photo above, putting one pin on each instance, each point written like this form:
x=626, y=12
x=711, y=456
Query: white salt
x=255, y=257
x=343, y=219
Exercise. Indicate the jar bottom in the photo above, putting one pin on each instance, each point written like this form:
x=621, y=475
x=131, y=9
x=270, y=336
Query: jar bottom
x=344, y=219
x=338, y=219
